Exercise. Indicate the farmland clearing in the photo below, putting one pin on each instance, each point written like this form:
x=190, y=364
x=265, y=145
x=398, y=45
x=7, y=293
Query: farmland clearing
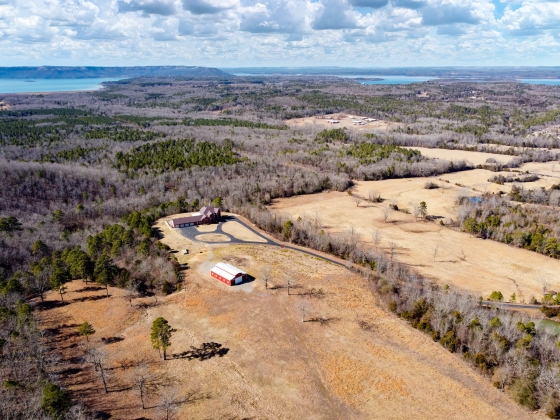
x=344, y=121
x=349, y=359
x=467, y=263
x=477, y=158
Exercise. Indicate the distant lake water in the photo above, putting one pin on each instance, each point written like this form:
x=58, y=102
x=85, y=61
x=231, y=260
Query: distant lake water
x=394, y=80
x=50, y=85
x=552, y=82
x=385, y=80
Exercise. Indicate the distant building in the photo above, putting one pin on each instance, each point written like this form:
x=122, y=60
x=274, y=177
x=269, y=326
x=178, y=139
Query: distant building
x=228, y=274
x=333, y=121
x=205, y=216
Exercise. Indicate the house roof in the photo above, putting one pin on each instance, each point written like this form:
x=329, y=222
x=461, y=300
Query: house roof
x=196, y=217
x=209, y=210
x=188, y=219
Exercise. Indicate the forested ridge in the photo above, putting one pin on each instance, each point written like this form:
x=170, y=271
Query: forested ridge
x=85, y=175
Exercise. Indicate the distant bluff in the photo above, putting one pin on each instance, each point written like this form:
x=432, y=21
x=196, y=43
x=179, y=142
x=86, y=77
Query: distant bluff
x=60, y=72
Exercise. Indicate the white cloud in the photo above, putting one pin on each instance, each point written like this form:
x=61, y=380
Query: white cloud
x=335, y=14
x=278, y=16
x=279, y=32
x=149, y=7
x=532, y=18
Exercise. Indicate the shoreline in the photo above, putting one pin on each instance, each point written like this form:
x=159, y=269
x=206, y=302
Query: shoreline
x=99, y=86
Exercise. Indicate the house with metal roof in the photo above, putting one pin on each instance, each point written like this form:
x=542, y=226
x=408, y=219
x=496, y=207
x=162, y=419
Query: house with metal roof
x=204, y=216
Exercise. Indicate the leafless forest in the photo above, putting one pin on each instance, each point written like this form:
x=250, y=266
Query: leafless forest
x=84, y=175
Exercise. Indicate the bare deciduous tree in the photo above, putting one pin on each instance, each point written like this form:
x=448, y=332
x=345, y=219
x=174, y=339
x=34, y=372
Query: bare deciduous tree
x=142, y=378
x=415, y=210
x=374, y=196
x=303, y=307
x=131, y=289
x=266, y=275
x=545, y=284
x=392, y=249
x=376, y=237
x=385, y=214
x=168, y=403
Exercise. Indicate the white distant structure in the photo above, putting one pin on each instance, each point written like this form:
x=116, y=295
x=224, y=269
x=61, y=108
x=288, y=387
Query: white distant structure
x=333, y=121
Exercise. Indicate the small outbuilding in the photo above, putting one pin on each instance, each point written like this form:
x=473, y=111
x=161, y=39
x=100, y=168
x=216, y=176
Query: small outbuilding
x=228, y=274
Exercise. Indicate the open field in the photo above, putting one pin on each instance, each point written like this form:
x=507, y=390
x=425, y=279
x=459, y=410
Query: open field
x=475, y=182
x=241, y=232
x=477, y=158
x=551, y=169
x=463, y=262
x=350, y=359
x=344, y=122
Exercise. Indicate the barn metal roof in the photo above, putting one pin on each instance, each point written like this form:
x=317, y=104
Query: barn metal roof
x=227, y=271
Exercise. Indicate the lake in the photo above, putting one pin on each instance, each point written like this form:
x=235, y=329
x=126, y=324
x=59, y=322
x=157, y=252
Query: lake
x=385, y=80
x=552, y=82
x=395, y=80
x=50, y=85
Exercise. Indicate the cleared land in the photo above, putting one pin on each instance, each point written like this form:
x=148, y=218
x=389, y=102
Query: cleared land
x=240, y=232
x=477, y=158
x=474, y=265
x=476, y=182
x=350, y=359
x=344, y=122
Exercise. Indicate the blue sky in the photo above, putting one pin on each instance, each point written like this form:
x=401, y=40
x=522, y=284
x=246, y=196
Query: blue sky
x=228, y=33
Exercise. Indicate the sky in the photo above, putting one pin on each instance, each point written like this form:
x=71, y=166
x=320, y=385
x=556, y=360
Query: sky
x=255, y=33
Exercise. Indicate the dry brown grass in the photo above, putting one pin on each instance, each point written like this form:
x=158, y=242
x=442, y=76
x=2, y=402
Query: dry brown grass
x=276, y=366
x=464, y=262
x=241, y=232
x=212, y=237
x=477, y=158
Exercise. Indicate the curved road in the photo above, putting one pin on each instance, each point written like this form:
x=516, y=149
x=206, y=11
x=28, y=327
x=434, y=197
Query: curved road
x=191, y=233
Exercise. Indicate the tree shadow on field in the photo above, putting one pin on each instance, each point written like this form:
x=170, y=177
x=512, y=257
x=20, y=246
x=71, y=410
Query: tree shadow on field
x=111, y=340
x=322, y=320
x=89, y=289
x=205, y=352
x=51, y=304
x=312, y=293
x=89, y=298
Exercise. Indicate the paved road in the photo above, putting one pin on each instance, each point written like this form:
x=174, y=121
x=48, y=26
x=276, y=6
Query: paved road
x=191, y=233
x=515, y=305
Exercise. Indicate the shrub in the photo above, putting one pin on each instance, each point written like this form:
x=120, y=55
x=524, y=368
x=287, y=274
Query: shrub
x=523, y=391
x=450, y=341
x=552, y=406
x=496, y=296
x=56, y=401
x=167, y=288
x=495, y=323
x=550, y=312
x=480, y=360
x=431, y=185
